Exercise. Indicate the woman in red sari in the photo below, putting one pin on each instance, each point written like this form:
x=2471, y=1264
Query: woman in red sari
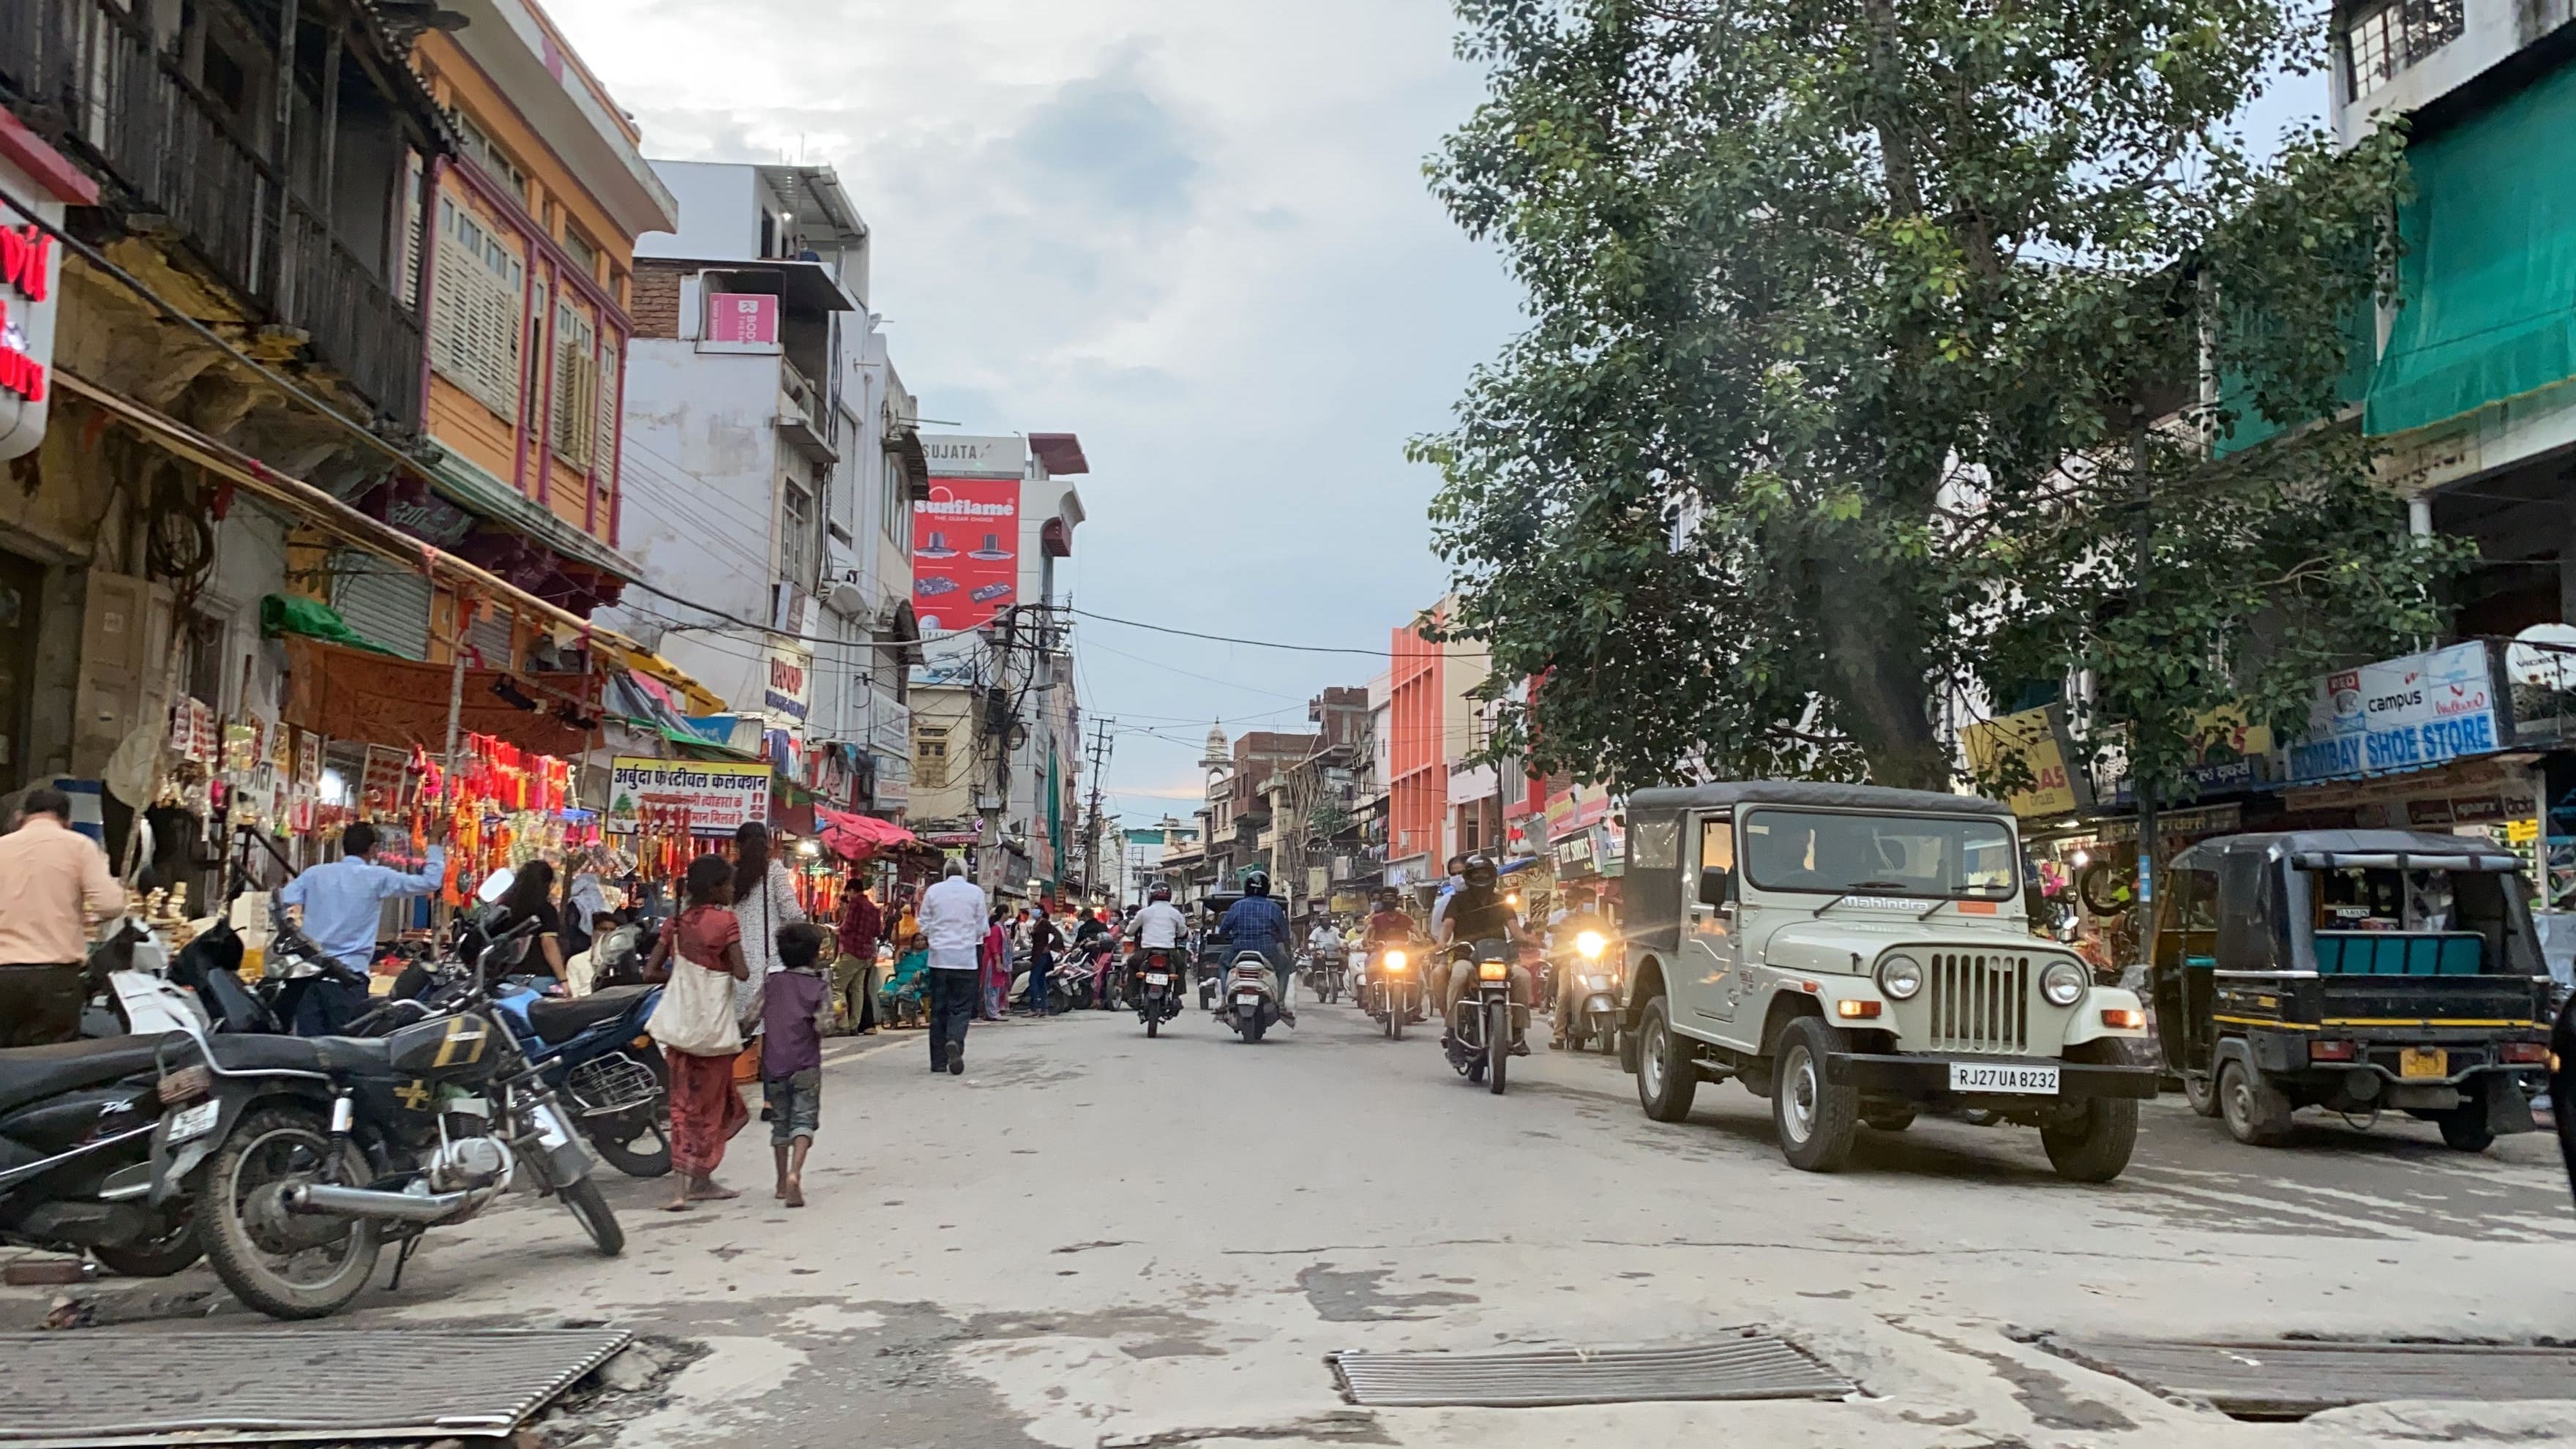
x=706, y=1109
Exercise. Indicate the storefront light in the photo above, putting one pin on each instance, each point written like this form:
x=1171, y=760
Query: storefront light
x=335, y=788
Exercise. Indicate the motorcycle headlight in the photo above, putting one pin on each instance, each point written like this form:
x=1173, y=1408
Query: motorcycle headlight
x=1591, y=944
x=1901, y=977
x=1393, y=961
x=1493, y=971
x=2062, y=983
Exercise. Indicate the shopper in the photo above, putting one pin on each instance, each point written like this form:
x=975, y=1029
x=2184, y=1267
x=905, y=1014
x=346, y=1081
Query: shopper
x=1044, y=941
x=793, y=1012
x=853, y=992
x=343, y=903
x=699, y=1027
x=997, y=966
x=54, y=881
x=953, y=916
x=764, y=903
x=531, y=897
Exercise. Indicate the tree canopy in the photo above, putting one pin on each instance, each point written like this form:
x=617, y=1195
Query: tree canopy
x=1865, y=369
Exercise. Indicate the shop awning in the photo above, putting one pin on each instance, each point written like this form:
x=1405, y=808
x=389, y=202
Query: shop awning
x=858, y=837
x=478, y=490
x=349, y=694
x=284, y=614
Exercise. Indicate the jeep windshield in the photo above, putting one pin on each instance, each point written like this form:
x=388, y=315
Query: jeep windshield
x=1899, y=855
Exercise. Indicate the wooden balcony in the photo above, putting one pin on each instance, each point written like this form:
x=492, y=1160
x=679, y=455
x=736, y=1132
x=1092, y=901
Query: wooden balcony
x=90, y=77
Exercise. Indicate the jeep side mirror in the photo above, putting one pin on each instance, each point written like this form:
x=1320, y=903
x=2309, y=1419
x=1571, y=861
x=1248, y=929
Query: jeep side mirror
x=1716, y=885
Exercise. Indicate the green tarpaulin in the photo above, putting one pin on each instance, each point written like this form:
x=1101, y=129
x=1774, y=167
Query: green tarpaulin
x=294, y=614
x=2489, y=275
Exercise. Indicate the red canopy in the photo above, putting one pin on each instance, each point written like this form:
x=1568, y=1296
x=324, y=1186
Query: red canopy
x=857, y=837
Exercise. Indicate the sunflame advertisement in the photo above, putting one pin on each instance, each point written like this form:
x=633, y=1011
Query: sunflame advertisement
x=965, y=552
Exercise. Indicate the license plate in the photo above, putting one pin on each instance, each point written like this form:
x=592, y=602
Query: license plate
x=191, y=1123
x=2415, y=1062
x=550, y=1131
x=1158, y=978
x=1247, y=999
x=1999, y=1077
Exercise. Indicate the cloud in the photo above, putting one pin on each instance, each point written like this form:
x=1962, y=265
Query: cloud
x=1196, y=234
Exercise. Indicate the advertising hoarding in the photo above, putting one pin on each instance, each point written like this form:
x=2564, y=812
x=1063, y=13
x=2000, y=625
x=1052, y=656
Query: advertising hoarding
x=965, y=552
x=720, y=797
x=2401, y=714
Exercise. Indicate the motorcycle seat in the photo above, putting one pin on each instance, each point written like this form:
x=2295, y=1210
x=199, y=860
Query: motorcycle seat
x=236, y=1053
x=30, y=1073
x=561, y=1018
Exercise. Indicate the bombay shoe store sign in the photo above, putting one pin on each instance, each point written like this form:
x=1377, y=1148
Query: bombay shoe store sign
x=2402, y=714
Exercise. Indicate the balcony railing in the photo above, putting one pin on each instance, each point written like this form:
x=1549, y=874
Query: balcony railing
x=89, y=77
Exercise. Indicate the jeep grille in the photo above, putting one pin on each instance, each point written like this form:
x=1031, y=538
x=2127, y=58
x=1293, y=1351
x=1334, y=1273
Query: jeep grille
x=1980, y=1003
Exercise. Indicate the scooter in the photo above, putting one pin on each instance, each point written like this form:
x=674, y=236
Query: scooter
x=593, y=1050
x=1593, y=1015
x=1484, y=1025
x=1251, y=1006
x=1158, y=990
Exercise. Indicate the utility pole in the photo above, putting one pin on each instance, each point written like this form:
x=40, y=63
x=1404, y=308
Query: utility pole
x=1100, y=745
x=2142, y=780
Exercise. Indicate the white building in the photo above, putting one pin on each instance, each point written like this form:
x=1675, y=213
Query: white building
x=781, y=461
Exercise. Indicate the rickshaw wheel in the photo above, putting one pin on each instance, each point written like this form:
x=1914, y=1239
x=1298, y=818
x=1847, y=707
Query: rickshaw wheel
x=2200, y=1089
x=2256, y=1112
x=2465, y=1128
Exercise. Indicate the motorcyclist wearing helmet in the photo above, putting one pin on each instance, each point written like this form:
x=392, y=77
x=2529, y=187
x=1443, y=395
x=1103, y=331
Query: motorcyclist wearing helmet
x=1258, y=923
x=1478, y=913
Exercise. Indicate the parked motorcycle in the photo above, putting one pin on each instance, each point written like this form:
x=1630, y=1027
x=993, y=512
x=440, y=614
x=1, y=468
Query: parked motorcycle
x=1394, y=991
x=303, y=1157
x=1251, y=1004
x=594, y=1051
x=76, y=1131
x=1484, y=1023
x=1158, y=987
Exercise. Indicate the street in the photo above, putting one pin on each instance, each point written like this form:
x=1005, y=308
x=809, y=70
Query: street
x=1093, y=1239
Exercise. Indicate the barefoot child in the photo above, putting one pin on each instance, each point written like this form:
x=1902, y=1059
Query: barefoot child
x=706, y=1110
x=798, y=1003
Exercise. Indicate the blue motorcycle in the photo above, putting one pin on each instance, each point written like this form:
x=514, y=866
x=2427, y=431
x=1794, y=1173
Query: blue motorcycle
x=593, y=1051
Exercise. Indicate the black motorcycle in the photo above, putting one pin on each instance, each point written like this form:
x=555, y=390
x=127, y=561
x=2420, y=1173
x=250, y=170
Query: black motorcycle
x=76, y=1130
x=1156, y=987
x=1392, y=992
x=1484, y=1024
x=303, y=1157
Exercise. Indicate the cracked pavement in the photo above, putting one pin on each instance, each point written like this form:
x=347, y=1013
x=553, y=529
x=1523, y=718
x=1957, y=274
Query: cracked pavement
x=1102, y=1242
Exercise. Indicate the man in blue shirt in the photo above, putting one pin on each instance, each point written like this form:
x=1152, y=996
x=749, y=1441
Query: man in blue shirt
x=1258, y=923
x=343, y=907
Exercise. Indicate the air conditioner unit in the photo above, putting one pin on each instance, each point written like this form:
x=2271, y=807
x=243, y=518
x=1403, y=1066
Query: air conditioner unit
x=846, y=600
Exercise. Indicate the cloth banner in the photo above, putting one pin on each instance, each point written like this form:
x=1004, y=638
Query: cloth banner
x=351, y=695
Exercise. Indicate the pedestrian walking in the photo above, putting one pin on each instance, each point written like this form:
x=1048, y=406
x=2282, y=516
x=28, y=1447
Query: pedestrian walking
x=997, y=966
x=853, y=991
x=793, y=1012
x=1044, y=941
x=953, y=916
x=700, y=1030
x=343, y=903
x=54, y=881
x=764, y=902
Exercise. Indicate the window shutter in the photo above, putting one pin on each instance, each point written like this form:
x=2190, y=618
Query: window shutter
x=603, y=457
x=474, y=315
x=388, y=607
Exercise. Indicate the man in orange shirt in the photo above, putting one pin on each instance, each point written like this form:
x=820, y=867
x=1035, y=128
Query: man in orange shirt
x=54, y=882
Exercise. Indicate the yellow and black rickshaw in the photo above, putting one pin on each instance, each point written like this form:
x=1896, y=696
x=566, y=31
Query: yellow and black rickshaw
x=2356, y=970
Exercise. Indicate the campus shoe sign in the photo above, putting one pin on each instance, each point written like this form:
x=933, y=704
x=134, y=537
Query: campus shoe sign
x=2402, y=714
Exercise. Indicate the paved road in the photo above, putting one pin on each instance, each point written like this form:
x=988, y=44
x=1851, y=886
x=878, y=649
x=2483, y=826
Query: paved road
x=1096, y=1240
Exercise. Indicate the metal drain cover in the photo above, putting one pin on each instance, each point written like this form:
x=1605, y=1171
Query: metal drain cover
x=1753, y=1366
x=2291, y=1380
x=95, y=1390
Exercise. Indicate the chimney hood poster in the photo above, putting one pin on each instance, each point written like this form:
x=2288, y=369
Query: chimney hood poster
x=965, y=552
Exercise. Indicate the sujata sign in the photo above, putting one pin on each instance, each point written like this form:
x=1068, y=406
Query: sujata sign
x=720, y=798
x=2401, y=714
x=965, y=552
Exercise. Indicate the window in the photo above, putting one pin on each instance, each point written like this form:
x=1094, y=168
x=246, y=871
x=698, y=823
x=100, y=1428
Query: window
x=576, y=396
x=583, y=254
x=496, y=164
x=895, y=519
x=535, y=381
x=476, y=302
x=1717, y=842
x=603, y=457
x=930, y=759
x=1908, y=855
x=796, y=548
x=2385, y=41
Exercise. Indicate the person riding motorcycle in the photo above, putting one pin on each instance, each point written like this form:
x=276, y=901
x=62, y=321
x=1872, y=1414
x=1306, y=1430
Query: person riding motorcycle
x=1258, y=923
x=1478, y=913
x=1571, y=966
x=1160, y=926
x=1388, y=926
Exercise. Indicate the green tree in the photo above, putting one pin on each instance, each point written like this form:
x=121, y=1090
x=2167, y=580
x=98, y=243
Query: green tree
x=1863, y=371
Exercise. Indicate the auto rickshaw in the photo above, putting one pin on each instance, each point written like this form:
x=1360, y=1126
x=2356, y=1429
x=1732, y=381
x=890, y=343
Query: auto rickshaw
x=2356, y=970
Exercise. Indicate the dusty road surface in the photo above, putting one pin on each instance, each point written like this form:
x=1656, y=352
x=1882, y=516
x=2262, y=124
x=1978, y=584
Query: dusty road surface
x=1092, y=1239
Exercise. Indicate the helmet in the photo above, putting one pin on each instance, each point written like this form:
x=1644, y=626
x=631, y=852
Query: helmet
x=1257, y=883
x=1162, y=893
x=1480, y=870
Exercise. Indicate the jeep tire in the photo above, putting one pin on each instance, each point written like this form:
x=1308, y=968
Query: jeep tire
x=1816, y=1120
x=2094, y=1143
x=1667, y=1079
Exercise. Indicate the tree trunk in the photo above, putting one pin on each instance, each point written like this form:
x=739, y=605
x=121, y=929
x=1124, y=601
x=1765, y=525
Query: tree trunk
x=1875, y=645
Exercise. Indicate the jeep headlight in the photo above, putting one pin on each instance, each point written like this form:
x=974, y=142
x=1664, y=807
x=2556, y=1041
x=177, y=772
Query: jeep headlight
x=2063, y=983
x=1901, y=977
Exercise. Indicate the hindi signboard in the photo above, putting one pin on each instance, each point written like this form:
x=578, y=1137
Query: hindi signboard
x=721, y=797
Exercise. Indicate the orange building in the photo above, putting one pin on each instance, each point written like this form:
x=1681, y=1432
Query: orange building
x=527, y=275
x=1417, y=772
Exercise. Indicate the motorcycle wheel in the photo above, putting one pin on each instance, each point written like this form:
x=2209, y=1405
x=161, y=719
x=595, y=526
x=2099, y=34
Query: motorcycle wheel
x=172, y=1252
x=285, y=1265
x=592, y=1211
x=1251, y=1028
x=1498, y=1044
x=650, y=1125
x=1153, y=1025
x=1395, y=1017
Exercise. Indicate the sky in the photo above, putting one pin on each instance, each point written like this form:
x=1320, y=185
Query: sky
x=1193, y=232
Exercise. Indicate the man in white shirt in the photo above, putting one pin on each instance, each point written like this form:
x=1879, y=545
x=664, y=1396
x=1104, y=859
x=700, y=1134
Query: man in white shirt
x=953, y=917
x=1160, y=926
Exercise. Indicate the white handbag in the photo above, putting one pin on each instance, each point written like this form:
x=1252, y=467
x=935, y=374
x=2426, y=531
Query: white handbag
x=696, y=1012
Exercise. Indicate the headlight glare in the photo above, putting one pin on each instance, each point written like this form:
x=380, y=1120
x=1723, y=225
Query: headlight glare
x=1901, y=977
x=2063, y=983
x=1395, y=960
x=1591, y=944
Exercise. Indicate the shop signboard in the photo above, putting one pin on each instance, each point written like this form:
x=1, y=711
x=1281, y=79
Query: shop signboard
x=2401, y=714
x=788, y=689
x=2037, y=738
x=30, y=270
x=721, y=797
x=965, y=552
x=742, y=319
